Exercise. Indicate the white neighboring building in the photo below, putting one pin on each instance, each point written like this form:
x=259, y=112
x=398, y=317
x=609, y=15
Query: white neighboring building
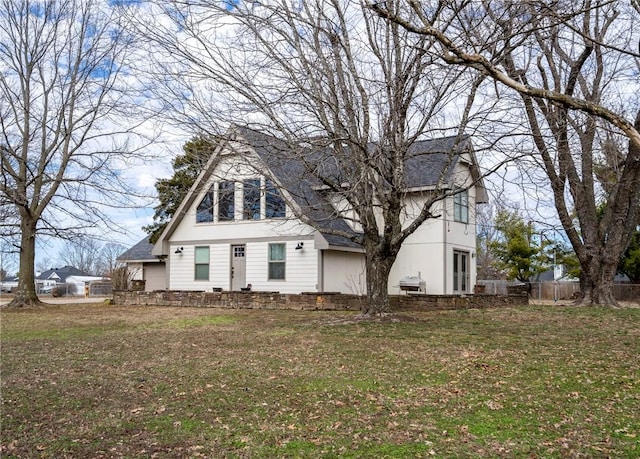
x=234, y=231
x=49, y=279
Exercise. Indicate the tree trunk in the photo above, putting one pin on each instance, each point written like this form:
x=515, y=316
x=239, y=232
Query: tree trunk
x=377, y=268
x=26, y=292
x=598, y=292
x=600, y=256
x=596, y=282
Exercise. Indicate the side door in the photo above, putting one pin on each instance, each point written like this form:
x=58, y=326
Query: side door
x=238, y=267
x=460, y=271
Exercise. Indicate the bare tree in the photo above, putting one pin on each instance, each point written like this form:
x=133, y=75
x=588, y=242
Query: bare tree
x=43, y=265
x=62, y=94
x=575, y=66
x=107, y=262
x=326, y=76
x=82, y=253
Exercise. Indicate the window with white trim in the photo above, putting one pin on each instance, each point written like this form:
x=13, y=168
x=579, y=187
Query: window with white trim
x=226, y=201
x=277, y=261
x=201, y=257
x=275, y=207
x=461, y=207
x=251, y=199
x=204, y=213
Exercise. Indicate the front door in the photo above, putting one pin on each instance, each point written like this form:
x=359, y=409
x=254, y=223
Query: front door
x=238, y=267
x=460, y=271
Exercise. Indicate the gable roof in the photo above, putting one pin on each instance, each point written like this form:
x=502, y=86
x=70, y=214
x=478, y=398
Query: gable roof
x=291, y=173
x=430, y=163
x=60, y=274
x=140, y=252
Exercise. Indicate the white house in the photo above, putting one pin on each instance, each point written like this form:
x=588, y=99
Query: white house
x=143, y=266
x=235, y=230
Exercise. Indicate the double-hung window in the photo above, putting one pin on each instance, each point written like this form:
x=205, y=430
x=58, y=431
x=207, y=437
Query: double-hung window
x=201, y=263
x=461, y=207
x=277, y=261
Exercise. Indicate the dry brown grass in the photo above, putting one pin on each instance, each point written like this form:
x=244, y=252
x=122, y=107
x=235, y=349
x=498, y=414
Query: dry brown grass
x=104, y=381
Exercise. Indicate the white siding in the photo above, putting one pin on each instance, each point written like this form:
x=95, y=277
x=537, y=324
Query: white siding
x=135, y=271
x=301, y=269
x=428, y=252
x=154, y=277
x=233, y=168
x=344, y=272
x=220, y=269
x=181, y=269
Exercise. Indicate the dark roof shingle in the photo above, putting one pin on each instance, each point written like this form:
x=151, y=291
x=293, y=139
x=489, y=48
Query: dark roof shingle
x=139, y=252
x=429, y=163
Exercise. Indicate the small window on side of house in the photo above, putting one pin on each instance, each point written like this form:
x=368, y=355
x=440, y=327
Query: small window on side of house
x=461, y=207
x=277, y=261
x=201, y=257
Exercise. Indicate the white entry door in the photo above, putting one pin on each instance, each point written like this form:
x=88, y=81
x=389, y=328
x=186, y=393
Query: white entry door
x=238, y=267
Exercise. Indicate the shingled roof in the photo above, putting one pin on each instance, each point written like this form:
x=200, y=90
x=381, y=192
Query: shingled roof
x=291, y=172
x=430, y=163
x=139, y=252
x=60, y=274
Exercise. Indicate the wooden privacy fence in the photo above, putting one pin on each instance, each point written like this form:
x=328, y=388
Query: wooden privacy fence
x=560, y=290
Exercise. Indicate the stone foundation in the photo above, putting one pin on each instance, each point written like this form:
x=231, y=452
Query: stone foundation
x=312, y=301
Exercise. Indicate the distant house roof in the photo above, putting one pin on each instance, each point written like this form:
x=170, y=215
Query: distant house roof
x=430, y=163
x=139, y=253
x=60, y=274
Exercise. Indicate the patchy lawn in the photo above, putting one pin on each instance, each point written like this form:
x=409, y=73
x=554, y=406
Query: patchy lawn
x=103, y=381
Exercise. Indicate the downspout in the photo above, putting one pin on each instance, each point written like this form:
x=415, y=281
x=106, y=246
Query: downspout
x=444, y=249
x=320, y=286
x=167, y=271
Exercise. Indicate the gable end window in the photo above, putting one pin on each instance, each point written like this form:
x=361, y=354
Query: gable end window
x=251, y=199
x=226, y=201
x=201, y=263
x=204, y=213
x=277, y=261
x=461, y=207
x=275, y=207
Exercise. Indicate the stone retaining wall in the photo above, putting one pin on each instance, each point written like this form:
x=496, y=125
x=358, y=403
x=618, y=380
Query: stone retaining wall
x=312, y=301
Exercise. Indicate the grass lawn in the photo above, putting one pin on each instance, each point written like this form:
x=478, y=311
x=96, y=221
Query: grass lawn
x=96, y=381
